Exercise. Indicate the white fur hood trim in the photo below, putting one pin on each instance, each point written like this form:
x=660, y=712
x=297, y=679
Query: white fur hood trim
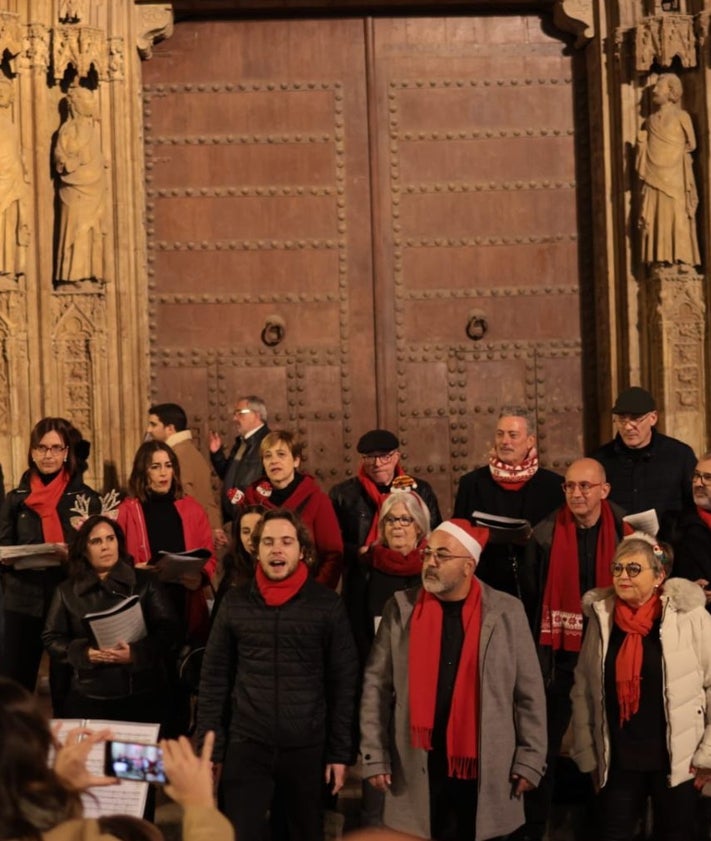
x=684, y=596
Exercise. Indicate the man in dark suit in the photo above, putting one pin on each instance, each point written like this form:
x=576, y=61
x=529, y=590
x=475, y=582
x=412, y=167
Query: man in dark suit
x=243, y=464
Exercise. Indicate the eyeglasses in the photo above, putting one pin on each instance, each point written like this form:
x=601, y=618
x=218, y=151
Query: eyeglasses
x=585, y=487
x=383, y=458
x=404, y=520
x=633, y=569
x=704, y=478
x=243, y=411
x=440, y=556
x=54, y=449
x=630, y=420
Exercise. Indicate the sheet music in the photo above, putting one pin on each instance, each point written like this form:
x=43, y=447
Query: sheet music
x=127, y=797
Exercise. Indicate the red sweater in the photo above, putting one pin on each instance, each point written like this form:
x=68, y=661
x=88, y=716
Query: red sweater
x=316, y=511
x=197, y=534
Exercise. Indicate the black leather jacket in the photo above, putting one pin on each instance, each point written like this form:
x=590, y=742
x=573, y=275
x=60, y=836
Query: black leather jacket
x=30, y=592
x=67, y=637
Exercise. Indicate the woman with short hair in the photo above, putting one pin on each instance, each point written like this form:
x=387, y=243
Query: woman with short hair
x=286, y=486
x=642, y=694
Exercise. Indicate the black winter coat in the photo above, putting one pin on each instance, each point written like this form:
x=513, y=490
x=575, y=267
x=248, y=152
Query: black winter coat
x=238, y=474
x=67, y=636
x=30, y=591
x=691, y=540
x=657, y=476
x=507, y=566
x=281, y=676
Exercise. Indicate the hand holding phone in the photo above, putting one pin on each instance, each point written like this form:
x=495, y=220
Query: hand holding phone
x=135, y=761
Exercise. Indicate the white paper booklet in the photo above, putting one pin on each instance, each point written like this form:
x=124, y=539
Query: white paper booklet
x=126, y=797
x=123, y=622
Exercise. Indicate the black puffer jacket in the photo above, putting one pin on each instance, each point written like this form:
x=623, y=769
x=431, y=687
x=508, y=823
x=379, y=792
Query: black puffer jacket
x=67, y=637
x=285, y=676
x=30, y=592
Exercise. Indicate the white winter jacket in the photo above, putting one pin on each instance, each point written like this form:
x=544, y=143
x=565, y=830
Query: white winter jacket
x=686, y=665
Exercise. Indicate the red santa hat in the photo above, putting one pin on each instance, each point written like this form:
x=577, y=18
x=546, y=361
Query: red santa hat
x=472, y=538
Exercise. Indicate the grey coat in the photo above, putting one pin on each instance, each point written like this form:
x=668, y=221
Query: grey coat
x=512, y=727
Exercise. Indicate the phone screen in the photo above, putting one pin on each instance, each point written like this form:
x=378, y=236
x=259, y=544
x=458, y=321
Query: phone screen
x=134, y=761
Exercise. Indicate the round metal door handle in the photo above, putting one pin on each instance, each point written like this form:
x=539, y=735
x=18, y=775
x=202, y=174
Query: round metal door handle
x=477, y=325
x=274, y=330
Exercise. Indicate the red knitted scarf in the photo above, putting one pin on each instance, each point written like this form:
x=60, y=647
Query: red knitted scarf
x=562, y=616
x=277, y=593
x=512, y=477
x=393, y=562
x=636, y=623
x=705, y=516
x=43, y=500
x=425, y=650
x=378, y=498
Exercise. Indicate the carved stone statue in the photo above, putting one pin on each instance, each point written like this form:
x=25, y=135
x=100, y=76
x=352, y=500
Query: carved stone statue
x=82, y=192
x=14, y=229
x=669, y=198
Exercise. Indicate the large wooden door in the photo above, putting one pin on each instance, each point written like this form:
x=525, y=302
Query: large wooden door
x=369, y=189
x=478, y=246
x=257, y=168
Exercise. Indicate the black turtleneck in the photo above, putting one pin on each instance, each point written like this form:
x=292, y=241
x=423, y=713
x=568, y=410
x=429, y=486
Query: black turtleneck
x=280, y=495
x=163, y=523
x=46, y=478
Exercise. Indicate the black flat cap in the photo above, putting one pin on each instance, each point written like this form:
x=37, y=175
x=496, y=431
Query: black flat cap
x=634, y=401
x=377, y=441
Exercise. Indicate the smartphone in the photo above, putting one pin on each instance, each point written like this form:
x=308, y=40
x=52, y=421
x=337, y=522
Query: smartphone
x=134, y=761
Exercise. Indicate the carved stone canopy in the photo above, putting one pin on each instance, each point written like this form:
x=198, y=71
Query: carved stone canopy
x=662, y=38
x=10, y=37
x=80, y=47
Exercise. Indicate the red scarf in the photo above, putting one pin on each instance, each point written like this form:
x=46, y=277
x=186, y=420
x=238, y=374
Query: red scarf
x=705, y=516
x=512, y=477
x=636, y=623
x=425, y=650
x=277, y=593
x=562, y=616
x=43, y=500
x=378, y=498
x=393, y=562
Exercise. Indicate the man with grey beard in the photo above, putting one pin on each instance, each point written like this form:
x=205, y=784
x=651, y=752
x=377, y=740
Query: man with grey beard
x=453, y=714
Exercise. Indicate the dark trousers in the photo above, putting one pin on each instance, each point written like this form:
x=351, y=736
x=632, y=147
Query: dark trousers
x=538, y=802
x=22, y=653
x=251, y=774
x=453, y=802
x=623, y=800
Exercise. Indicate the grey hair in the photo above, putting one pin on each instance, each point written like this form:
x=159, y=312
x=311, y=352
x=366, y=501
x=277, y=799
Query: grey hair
x=659, y=555
x=519, y=412
x=415, y=507
x=255, y=404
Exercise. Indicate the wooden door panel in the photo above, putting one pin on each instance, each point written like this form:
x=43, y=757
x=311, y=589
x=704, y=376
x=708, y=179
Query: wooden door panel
x=480, y=264
x=478, y=213
x=259, y=206
x=263, y=273
x=455, y=160
x=203, y=219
